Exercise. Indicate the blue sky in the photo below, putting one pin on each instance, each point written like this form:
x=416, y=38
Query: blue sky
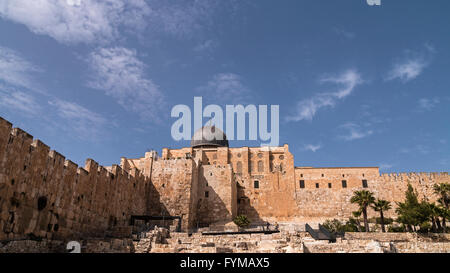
x=357, y=85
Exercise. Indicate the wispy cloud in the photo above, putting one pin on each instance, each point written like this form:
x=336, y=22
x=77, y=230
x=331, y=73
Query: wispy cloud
x=407, y=70
x=15, y=70
x=86, y=123
x=17, y=94
x=18, y=101
x=411, y=66
x=120, y=74
x=354, y=132
x=347, y=82
x=205, y=46
x=182, y=18
x=427, y=104
x=344, y=33
x=312, y=147
x=75, y=21
x=92, y=21
x=226, y=86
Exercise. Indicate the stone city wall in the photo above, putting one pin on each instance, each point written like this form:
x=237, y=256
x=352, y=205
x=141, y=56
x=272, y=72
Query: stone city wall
x=43, y=195
x=174, y=189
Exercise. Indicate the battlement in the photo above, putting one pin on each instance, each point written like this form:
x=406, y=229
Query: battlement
x=89, y=200
x=418, y=174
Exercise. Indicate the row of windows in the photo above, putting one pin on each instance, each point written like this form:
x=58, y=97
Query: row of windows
x=343, y=182
x=260, y=167
x=255, y=185
x=302, y=185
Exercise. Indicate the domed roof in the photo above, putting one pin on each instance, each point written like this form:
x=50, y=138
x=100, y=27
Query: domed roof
x=209, y=136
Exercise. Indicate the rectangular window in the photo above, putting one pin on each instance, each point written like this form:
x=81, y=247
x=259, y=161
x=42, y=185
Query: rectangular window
x=302, y=184
x=344, y=183
x=256, y=184
x=206, y=194
x=317, y=185
x=329, y=185
x=364, y=183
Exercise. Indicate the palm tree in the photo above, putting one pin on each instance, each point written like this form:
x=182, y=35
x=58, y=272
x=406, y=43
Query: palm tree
x=357, y=214
x=443, y=191
x=363, y=199
x=435, y=212
x=381, y=206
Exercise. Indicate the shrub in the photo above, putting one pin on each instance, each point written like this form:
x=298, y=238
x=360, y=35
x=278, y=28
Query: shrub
x=396, y=228
x=336, y=226
x=241, y=221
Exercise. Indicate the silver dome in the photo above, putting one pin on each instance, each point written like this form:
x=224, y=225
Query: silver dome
x=209, y=136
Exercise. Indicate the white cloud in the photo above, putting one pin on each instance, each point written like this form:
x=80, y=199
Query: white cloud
x=75, y=21
x=307, y=109
x=93, y=21
x=86, y=123
x=121, y=75
x=18, y=101
x=354, y=132
x=312, y=147
x=344, y=33
x=181, y=18
x=412, y=65
x=428, y=104
x=407, y=70
x=225, y=86
x=207, y=45
x=14, y=70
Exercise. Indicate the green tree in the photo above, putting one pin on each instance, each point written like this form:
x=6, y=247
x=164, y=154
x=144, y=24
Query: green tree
x=435, y=213
x=407, y=211
x=381, y=206
x=357, y=214
x=413, y=213
x=443, y=191
x=364, y=199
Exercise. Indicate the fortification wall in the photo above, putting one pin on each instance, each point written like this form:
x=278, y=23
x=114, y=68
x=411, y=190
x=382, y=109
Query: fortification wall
x=319, y=204
x=216, y=194
x=174, y=189
x=266, y=185
x=44, y=195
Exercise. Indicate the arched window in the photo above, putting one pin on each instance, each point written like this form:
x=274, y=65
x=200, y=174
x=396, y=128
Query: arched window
x=239, y=167
x=260, y=166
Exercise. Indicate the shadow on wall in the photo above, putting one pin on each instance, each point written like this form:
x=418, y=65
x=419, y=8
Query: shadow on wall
x=245, y=208
x=211, y=209
x=157, y=208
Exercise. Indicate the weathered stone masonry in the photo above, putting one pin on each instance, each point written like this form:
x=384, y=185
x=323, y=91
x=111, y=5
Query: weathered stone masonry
x=44, y=195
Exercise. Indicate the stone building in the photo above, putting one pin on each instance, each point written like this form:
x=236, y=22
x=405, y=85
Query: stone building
x=44, y=195
x=215, y=183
